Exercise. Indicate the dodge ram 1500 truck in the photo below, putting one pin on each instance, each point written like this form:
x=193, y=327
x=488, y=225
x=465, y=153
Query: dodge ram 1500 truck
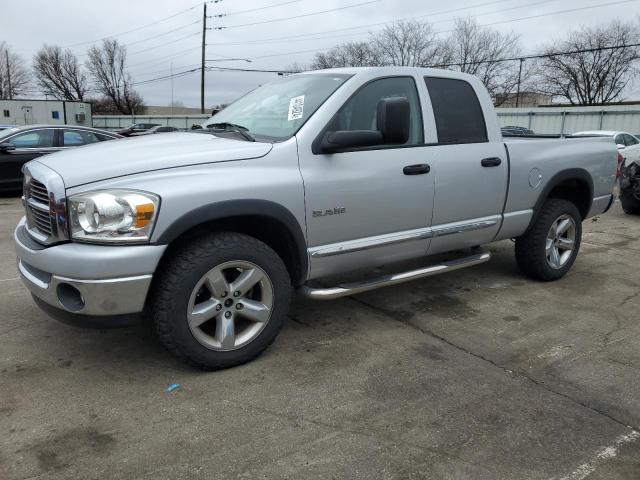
x=302, y=180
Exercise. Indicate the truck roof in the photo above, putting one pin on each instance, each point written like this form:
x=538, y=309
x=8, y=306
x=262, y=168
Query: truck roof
x=435, y=72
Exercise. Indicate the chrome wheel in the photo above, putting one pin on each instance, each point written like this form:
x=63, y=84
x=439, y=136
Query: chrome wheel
x=230, y=305
x=561, y=241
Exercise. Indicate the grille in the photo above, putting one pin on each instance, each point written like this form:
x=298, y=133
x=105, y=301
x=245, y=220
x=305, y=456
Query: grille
x=38, y=192
x=39, y=217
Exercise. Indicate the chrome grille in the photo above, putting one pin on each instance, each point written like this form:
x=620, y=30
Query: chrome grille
x=45, y=204
x=41, y=221
x=38, y=192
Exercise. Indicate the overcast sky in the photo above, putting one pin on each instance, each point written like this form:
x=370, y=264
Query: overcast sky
x=27, y=24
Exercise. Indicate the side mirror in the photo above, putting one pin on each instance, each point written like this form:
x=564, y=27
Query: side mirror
x=621, y=146
x=336, y=141
x=393, y=122
x=7, y=147
x=394, y=119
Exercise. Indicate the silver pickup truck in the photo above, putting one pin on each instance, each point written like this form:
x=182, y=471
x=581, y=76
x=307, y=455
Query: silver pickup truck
x=299, y=182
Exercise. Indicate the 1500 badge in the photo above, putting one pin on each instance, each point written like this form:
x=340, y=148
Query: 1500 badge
x=330, y=211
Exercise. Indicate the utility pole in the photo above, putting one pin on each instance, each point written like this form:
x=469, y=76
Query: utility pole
x=171, y=88
x=519, y=80
x=6, y=56
x=204, y=41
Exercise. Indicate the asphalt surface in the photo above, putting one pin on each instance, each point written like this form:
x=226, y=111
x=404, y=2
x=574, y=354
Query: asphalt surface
x=478, y=374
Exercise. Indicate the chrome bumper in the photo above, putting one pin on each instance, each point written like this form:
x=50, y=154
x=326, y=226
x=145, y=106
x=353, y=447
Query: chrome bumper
x=126, y=271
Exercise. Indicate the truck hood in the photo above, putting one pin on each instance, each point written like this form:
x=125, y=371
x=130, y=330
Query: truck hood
x=117, y=158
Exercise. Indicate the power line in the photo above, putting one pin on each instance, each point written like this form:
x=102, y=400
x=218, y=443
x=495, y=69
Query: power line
x=536, y=56
x=170, y=42
x=135, y=29
x=238, y=12
x=288, y=37
x=248, y=70
x=486, y=24
x=283, y=19
x=162, y=34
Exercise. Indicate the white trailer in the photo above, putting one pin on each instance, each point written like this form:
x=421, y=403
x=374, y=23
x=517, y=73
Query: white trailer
x=50, y=112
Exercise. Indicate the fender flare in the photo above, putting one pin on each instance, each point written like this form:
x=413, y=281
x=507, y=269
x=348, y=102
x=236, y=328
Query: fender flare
x=236, y=208
x=569, y=174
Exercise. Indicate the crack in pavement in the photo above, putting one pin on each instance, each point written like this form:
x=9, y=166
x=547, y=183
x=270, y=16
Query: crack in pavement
x=520, y=373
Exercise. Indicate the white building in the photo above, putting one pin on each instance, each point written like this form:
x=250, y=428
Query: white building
x=50, y=112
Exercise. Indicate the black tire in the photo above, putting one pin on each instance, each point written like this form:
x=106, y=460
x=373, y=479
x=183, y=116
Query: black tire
x=531, y=247
x=630, y=204
x=177, y=279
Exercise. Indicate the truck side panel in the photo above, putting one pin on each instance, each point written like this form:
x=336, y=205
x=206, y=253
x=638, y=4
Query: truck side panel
x=535, y=163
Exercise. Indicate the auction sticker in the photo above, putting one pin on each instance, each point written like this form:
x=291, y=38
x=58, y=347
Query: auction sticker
x=296, y=107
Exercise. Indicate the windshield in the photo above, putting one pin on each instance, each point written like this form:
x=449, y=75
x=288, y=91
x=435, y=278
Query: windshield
x=277, y=110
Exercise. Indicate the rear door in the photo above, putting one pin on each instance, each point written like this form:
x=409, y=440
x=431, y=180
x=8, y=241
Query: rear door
x=470, y=171
x=28, y=145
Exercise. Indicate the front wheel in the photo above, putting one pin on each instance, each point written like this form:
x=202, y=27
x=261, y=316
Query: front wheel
x=547, y=251
x=221, y=300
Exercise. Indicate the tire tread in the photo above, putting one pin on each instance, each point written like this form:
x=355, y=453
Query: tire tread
x=187, y=258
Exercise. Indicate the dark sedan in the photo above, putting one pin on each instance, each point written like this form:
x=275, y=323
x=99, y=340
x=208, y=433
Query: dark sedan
x=18, y=145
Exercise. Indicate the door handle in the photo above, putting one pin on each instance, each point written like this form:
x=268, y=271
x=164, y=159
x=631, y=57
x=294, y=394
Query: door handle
x=419, y=169
x=491, y=162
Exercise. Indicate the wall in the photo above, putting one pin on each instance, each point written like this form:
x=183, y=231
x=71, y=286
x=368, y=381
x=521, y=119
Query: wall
x=25, y=112
x=558, y=120
x=114, y=122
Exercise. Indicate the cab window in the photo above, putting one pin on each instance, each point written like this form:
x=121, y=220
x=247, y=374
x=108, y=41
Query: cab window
x=457, y=110
x=360, y=111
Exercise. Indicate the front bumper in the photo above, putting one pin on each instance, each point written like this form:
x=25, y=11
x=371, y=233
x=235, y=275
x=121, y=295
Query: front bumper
x=87, y=280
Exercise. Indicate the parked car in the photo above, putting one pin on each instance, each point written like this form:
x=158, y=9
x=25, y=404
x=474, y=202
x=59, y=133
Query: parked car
x=630, y=186
x=310, y=178
x=136, y=128
x=18, y=145
x=628, y=145
x=156, y=129
x=4, y=127
x=513, y=131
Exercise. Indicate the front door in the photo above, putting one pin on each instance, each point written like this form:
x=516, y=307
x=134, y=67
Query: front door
x=364, y=207
x=471, y=172
x=28, y=145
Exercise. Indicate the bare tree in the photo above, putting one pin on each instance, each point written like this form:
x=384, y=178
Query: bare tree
x=14, y=74
x=59, y=73
x=350, y=54
x=408, y=43
x=479, y=50
x=107, y=65
x=295, y=67
x=595, y=73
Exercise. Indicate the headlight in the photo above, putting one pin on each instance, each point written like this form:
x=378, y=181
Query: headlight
x=113, y=216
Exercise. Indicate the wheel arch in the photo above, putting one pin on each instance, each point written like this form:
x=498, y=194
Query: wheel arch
x=575, y=185
x=265, y=220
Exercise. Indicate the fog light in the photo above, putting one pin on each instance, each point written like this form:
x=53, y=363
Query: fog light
x=70, y=297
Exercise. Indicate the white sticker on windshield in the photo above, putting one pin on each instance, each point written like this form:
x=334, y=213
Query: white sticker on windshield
x=296, y=107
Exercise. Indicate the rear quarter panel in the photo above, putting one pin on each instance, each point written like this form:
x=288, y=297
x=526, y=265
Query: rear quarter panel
x=597, y=156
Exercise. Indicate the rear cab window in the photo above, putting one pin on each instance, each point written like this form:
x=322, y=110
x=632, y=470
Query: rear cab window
x=457, y=111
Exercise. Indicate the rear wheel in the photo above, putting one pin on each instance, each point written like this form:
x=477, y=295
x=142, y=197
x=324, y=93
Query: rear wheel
x=547, y=251
x=221, y=300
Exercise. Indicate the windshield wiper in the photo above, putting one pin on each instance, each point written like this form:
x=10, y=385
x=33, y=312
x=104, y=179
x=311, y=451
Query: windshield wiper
x=232, y=127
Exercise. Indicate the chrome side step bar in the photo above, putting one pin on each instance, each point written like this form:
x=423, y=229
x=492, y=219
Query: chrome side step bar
x=347, y=289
